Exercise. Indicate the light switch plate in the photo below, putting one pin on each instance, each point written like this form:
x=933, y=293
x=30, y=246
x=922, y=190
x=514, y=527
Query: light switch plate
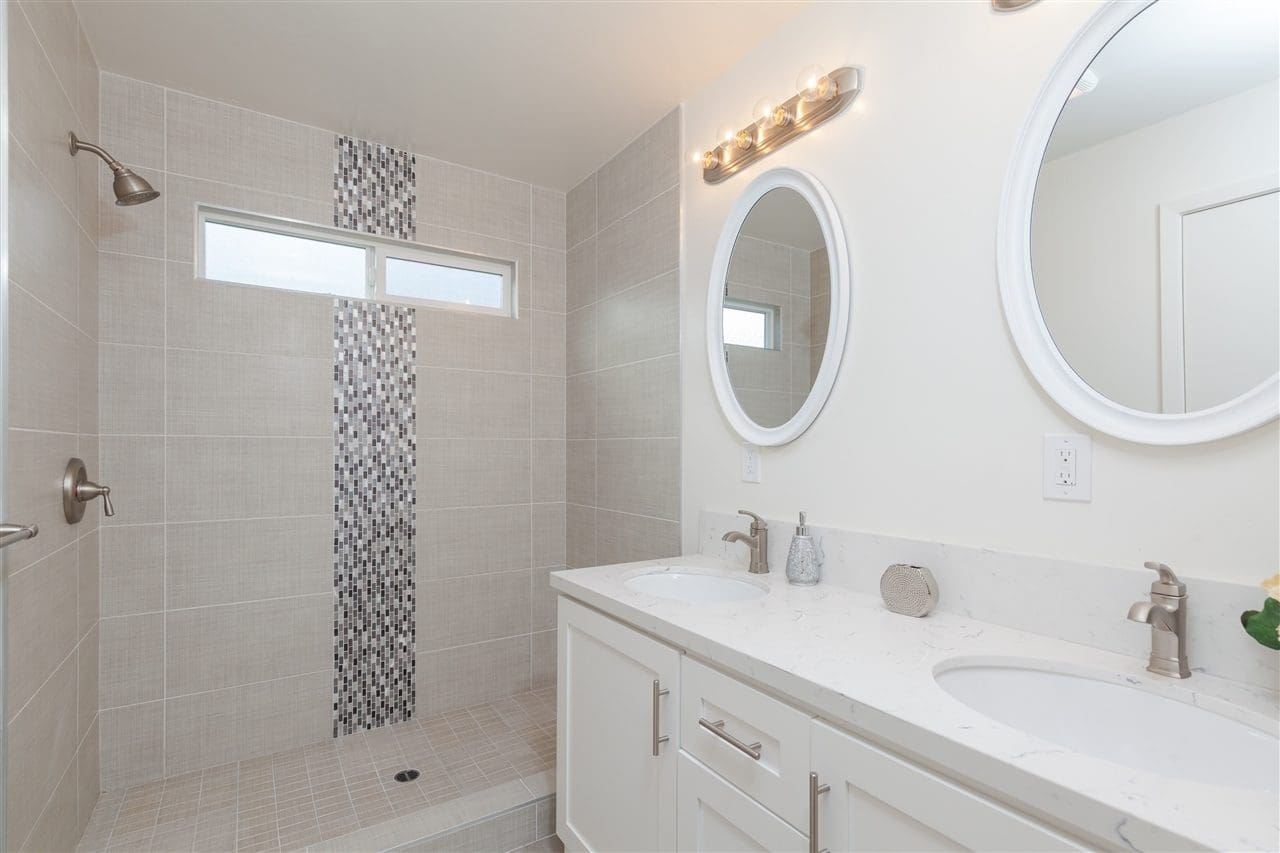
x=750, y=463
x=1068, y=467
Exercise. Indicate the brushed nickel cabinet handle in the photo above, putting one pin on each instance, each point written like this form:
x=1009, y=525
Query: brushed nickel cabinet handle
x=10, y=533
x=717, y=729
x=815, y=791
x=658, y=740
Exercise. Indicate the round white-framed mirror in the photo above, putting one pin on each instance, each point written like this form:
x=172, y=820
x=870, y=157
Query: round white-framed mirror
x=778, y=307
x=1137, y=238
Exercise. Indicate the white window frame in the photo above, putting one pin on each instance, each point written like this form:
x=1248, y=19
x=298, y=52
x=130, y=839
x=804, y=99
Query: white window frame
x=377, y=250
x=772, y=319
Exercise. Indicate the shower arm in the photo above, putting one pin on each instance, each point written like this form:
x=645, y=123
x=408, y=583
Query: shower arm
x=78, y=145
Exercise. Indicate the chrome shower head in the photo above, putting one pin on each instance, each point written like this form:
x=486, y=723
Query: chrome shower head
x=129, y=187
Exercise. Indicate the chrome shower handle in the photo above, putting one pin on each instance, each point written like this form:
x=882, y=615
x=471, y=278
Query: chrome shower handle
x=78, y=489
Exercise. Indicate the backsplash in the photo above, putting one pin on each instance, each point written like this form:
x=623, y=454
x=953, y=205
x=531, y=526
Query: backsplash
x=1078, y=602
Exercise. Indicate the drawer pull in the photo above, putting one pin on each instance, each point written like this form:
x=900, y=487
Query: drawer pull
x=815, y=790
x=658, y=740
x=717, y=729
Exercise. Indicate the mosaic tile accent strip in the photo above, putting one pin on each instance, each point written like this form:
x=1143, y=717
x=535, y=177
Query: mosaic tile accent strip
x=374, y=188
x=374, y=442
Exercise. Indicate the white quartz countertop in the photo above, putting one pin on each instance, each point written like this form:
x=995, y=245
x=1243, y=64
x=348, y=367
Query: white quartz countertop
x=842, y=655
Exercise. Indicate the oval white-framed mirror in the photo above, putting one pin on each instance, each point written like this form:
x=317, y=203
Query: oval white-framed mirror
x=781, y=288
x=1171, y=374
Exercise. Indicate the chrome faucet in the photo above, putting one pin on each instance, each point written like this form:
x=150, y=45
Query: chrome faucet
x=1166, y=613
x=758, y=542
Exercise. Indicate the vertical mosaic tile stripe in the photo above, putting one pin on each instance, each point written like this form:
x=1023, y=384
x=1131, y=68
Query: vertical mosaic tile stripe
x=374, y=495
x=374, y=188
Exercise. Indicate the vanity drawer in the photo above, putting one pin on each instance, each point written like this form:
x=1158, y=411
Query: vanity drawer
x=760, y=745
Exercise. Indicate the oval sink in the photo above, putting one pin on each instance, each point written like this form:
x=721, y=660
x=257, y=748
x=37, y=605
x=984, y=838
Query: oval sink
x=1117, y=723
x=694, y=588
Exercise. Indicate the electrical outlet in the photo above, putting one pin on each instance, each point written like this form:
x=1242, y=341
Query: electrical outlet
x=1068, y=468
x=750, y=463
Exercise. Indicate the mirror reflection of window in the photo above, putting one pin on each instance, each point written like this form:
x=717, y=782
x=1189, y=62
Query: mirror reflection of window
x=749, y=324
x=1156, y=223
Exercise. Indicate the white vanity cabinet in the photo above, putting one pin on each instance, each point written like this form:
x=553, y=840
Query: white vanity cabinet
x=877, y=801
x=618, y=695
x=713, y=816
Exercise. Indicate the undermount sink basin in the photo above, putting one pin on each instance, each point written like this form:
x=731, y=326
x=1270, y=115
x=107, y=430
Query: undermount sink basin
x=694, y=588
x=1119, y=723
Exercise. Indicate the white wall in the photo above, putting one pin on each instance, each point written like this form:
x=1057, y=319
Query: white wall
x=934, y=428
x=1095, y=233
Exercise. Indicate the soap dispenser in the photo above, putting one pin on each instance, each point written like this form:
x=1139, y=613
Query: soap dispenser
x=804, y=561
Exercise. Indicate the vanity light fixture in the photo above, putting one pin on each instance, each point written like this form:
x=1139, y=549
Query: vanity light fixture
x=821, y=96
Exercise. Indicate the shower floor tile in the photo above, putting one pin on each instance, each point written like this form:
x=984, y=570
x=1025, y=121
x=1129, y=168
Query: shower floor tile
x=309, y=794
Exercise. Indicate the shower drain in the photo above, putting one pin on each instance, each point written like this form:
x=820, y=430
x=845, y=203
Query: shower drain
x=407, y=775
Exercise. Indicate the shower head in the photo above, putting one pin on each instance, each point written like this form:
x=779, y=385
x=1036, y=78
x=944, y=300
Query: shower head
x=128, y=187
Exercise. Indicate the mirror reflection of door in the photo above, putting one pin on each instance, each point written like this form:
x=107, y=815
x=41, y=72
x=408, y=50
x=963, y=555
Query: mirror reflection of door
x=1220, y=302
x=1154, y=238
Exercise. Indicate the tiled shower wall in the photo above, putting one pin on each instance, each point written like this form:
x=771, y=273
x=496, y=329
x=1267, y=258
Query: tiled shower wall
x=218, y=579
x=51, y=698
x=623, y=354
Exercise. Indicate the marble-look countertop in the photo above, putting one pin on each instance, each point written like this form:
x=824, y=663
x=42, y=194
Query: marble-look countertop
x=843, y=656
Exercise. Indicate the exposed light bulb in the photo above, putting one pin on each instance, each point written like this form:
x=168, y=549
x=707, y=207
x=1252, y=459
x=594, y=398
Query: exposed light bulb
x=744, y=140
x=815, y=85
x=780, y=117
x=726, y=134
x=710, y=160
x=762, y=112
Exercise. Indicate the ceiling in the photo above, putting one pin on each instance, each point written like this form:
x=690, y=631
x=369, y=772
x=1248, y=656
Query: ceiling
x=1171, y=58
x=543, y=92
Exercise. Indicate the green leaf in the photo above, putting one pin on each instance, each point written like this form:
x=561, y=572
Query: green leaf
x=1262, y=625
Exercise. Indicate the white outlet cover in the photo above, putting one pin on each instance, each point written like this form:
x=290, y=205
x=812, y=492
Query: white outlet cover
x=750, y=463
x=1082, y=446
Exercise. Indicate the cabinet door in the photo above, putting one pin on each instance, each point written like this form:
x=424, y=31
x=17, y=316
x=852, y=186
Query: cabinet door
x=880, y=802
x=716, y=817
x=613, y=792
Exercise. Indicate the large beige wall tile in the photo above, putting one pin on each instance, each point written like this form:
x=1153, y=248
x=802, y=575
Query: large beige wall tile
x=131, y=299
x=465, y=610
x=133, y=121
x=472, y=472
x=457, y=542
x=472, y=404
x=548, y=403
x=208, y=648
x=581, y=331
x=640, y=322
x=549, y=279
x=473, y=341
x=580, y=274
x=132, y=569
x=221, y=393
x=648, y=166
x=57, y=28
x=548, y=332
x=132, y=659
x=40, y=237
x=42, y=622
x=88, y=668
x=41, y=746
x=549, y=534
x=544, y=659
x=88, y=777
x=549, y=213
x=134, y=468
x=580, y=212
x=133, y=389
x=88, y=592
x=544, y=598
x=248, y=477
x=246, y=319
x=40, y=113
x=44, y=368
x=640, y=476
x=219, y=142
x=132, y=745
x=549, y=470
x=471, y=200
x=467, y=675
x=580, y=536
x=581, y=472
x=87, y=378
x=56, y=827
x=623, y=538
x=641, y=245
x=87, y=297
x=223, y=562
x=640, y=400
x=760, y=264
x=581, y=406
x=35, y=496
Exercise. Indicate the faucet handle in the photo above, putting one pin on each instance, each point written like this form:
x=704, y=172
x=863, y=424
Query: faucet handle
x=1167, y=583
x=757, y=523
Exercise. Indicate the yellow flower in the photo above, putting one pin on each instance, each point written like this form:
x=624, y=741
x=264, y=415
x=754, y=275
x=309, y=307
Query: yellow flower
x=1272, y=586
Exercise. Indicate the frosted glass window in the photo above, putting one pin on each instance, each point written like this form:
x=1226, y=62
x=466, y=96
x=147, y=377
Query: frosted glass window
x=751, y=324
x=443, y=283
x=288, y=261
